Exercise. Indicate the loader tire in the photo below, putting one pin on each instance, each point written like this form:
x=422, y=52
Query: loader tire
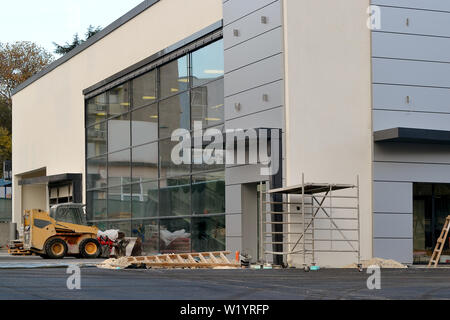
x=56, y=248
x=90, y=248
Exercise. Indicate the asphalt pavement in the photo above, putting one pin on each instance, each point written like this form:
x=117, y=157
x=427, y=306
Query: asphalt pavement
x=289, y=284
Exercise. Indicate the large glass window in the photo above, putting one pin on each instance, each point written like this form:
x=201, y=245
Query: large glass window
x=96, y=109
x=208, y=234
x=175, y=197
x=147, y=232
x=119, y=169
x=119, y=100
x=174, y=77
x=174, y=114
x=208, y=193
x=207, y=64
x=207, y=104
x=119, y=133
x=175, y=236
x=144, y=89
x=144, y=124
x=167, y=166
x=145, y=199
x=145, y=162
x=133, y=181
x=96, y=173
x=96, y=205
x=96, y=140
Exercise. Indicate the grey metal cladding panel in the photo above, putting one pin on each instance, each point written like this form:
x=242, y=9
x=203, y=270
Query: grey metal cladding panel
x=420, y=22
x=429, y=74
x=393, y=197
x=252, y=26
x=383, y=119
x=407, y=152
x=400, y=250
x=404, y=46
x=393, y=225
x=256, y=49
x=443, y=5
x=235, y=9
x=233, y=199
x=254, y=75
x=411, y=172
x=233, y=225
x=273, y=118
x=243, y=174
x=252, y=101
x=393, y=97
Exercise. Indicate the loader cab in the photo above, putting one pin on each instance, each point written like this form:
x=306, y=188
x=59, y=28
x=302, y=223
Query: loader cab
x=70, y=213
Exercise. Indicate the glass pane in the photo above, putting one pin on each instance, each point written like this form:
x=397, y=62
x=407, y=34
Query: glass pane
x=175, y=236
x=119, y=203
x=207, y=104
x=208, y=63
x=167, y=167
x=145, y=199
x=96, y=173
x=208, y=234
x=119, y=101
x=96, y=205
x=144, y=89
x=174, y=77
x=147, y=232
x=145, y=162
x=144, y=123
x=174, y=114
x=214, y=157
x=96, y=109
x=122, y=225
x=208, y=193
x=119, y=169
x=102, y=226
x=175, y=197
x=96, y=140
x=119, y=133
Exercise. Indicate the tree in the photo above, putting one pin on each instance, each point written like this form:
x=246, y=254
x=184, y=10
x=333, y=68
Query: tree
x=18, y=62
x=76, y=41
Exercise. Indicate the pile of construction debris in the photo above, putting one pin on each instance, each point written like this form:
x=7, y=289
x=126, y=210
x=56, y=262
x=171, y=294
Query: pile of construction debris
x=382, y=263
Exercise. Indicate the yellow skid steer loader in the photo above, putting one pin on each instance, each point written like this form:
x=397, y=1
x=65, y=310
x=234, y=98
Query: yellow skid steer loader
x=63, y=232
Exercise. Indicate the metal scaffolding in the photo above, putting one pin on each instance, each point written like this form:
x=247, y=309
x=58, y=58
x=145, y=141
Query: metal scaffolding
x=292, y=221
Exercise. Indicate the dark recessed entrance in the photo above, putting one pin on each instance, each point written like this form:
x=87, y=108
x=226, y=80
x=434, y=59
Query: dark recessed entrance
x=431, y=207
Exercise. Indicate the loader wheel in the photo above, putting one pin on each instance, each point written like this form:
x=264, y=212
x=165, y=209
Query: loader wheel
x=56, y=248
x=90, y=248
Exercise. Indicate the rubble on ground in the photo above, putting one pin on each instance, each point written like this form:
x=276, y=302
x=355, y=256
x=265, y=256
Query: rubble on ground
x=382, y=263
x=113, y=264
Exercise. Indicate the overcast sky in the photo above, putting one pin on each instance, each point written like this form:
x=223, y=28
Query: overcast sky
x=48, y=21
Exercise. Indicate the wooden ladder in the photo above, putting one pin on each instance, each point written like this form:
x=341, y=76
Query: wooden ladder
x=434, y=261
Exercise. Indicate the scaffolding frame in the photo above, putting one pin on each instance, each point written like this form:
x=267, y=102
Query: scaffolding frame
x=320, y=207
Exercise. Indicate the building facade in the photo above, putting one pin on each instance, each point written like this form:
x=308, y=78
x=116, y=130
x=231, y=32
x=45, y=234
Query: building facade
x=352, y=88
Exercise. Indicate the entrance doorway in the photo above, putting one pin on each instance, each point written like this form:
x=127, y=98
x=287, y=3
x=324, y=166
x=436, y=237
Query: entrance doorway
x=431, y=208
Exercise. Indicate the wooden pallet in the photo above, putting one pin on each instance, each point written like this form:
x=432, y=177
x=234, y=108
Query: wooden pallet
x=434, y=261
x=19, y=252
x=204, y=260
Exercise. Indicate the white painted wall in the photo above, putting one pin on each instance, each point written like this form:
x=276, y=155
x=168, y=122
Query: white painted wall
x=48, y=115
x=328, y=100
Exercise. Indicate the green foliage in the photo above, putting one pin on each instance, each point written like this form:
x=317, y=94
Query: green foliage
x=76, y=41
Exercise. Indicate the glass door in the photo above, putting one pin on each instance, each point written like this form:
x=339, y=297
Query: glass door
x=431, y=207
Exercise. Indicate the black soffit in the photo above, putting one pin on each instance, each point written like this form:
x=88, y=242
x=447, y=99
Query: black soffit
x=412, y=135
